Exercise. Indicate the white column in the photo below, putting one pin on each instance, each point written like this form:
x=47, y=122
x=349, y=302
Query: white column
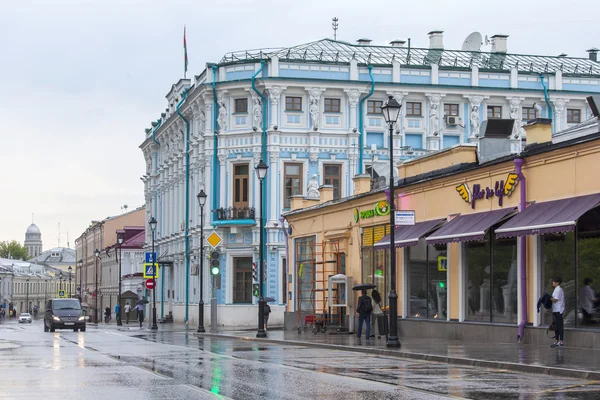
x=273, y=176
x=224, y=182
x=353, y=97
x=274, y=95
x=208, y=183
x=559, y=109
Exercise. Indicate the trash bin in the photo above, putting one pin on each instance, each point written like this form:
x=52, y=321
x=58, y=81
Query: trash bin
x=383, y=324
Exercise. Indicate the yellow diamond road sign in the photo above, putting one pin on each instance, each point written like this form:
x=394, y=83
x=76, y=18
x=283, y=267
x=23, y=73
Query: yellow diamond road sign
x=214, y=239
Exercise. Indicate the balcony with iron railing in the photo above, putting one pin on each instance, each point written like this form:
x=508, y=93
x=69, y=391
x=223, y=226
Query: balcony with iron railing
x=235, y=216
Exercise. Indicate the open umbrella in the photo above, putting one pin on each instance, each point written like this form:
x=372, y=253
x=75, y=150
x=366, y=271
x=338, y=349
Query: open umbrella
x=365, y=286
x=141, y=301
x=269, y=300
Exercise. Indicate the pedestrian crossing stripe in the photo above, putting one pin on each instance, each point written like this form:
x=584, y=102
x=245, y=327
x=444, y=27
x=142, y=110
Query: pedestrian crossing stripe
x=151, y=271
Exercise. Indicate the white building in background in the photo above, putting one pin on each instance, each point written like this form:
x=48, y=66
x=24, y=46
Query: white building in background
x=33, y=241
x=312, y=112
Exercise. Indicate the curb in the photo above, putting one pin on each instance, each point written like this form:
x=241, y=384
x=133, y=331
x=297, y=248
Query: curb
x=503, y=365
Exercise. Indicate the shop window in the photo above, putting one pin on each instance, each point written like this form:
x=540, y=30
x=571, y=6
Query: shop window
x=242, y=285
x=284, y=287
x=427, y=281
x=332, y=175
x=293, y=182
x=376, y=263
x=305, y=263
x=491, y=280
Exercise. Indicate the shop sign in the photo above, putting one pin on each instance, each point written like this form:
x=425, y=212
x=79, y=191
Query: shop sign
x=405, y=217
x=381, y=208
x=500, y=190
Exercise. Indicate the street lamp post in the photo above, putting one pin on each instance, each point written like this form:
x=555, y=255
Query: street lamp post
x=120, y=239
x=153, y=224
x=391, y=110
x=80, y=291
x=60, y=281
x=261, y=172
x=70, y=270
x=27, y=299
x=201, y=201
x=97, y=254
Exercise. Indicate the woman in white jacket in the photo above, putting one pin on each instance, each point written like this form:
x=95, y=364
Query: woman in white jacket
x=376, y=299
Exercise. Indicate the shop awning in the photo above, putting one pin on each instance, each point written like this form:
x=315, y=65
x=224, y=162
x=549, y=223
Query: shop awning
x=469, y=227
x=549, y=217
x=406, y=236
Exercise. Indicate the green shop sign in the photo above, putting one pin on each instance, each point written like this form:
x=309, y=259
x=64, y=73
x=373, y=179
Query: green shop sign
x=381, y=208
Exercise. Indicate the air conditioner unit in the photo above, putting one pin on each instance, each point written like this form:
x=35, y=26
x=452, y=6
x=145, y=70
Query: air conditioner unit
x=451, y=120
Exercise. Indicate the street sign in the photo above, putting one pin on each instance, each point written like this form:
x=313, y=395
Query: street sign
x=151, y=271
x=149, y=257
x=150, y=284
x=214, y=239
x=404, y=217
x=62, y=293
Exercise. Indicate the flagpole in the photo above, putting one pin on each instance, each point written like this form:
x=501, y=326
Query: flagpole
x=184, y=54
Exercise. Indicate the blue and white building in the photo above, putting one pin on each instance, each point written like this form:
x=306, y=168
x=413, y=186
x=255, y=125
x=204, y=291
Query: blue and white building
x=314, y=110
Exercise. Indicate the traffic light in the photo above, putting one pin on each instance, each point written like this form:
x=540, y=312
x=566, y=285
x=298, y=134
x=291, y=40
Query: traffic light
x=255, y=290
x=215, y=263
x=442, y=284
x=254, y=272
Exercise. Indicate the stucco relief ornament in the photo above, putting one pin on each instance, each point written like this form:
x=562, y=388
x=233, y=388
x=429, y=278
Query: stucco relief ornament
x=257, y=112
x=312, y=189
x=274, y=93
x=353, y=97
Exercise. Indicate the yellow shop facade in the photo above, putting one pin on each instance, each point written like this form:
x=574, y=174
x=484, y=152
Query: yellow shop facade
x=490, y=231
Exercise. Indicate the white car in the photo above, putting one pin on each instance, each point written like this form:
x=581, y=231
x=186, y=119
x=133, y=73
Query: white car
x=24, y=317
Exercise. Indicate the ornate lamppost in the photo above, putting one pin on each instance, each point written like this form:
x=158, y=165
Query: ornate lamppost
x=261, y=172
x=153, y=224
x=120, y=240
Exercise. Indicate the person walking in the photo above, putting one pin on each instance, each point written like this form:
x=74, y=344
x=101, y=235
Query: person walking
x=267, y=312
x=364, y=308
x=587, y=300
x=107, y=314
x=118, y=313
x=376, y=313
x=140, y=312
x=558, y=308
x=127, y=311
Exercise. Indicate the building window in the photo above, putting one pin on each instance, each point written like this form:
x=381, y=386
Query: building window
x=494, y=112
x=241, y=105
x=573, y=116
x=374, y=106
x=332, y=120
x=413, y=109
x=491, y=280
x=528, y=113
x=332, y=105
x=242, y=285
x=305, y=267
x=332, y=175
x=293, y=182
x=451, y=110
x=293, y=119
x=293, y=103
x=240, y=185
x=376, y=263
x=240, y=120
x=375, y=122
x=427, y=281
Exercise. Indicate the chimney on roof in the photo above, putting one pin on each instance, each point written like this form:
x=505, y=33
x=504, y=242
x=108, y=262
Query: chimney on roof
x=500, y=44
x=562, y=54
x=397, y=43
x=593, y=54
x=436, y=39
x=364, y=42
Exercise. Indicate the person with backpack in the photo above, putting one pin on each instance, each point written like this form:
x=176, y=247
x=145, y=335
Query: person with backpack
x=364, y=309
x=267, y=312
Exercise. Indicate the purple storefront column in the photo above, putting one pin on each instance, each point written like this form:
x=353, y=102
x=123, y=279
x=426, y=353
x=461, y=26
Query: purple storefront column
x=523, y=253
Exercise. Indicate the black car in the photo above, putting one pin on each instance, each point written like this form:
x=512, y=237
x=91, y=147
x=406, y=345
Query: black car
x=64, y=314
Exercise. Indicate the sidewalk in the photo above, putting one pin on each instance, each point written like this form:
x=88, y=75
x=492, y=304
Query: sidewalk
x=567, y=361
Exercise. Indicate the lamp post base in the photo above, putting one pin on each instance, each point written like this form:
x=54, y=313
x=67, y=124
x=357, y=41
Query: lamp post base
x=201, y=318
x=393, y=336
x=261, y=319
x=154, y=326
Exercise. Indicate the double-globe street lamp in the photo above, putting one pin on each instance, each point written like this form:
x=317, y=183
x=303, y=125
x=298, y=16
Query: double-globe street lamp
x=97, y=254
x=261, y=172
x=70, y=270
x=120, y=239
x=391, y=110
x=201, y=202
x=153, y=224
x=80, y=290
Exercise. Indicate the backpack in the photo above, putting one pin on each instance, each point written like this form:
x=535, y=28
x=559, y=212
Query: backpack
x=365, y=306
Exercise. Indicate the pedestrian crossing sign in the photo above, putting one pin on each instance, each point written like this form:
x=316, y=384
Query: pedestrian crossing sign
x=61, y=294
x=151, y=271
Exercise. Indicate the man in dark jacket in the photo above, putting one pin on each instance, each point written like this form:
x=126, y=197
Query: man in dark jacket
x=364, y=308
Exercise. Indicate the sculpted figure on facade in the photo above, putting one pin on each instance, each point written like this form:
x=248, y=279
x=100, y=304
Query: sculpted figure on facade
x=559, y=108
x=515, y=113
x=201, y=122
x=434, y=117
x=312, y=189
x=474, y=116
x=257, y=114
x=314, y=113
x=399, y=97
x=222, y=120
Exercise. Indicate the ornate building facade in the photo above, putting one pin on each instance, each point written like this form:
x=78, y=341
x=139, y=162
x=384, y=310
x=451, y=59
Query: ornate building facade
x=33, y=241
x=313, y=113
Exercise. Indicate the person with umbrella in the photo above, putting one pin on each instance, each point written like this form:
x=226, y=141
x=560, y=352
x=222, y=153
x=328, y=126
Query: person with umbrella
x=139, y=307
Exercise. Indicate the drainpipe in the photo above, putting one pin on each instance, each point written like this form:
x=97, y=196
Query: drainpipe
x=523, y=254
x=264, y=113
x=216, y=146
x=187, y=205
x=360, y=122
x=546, y=96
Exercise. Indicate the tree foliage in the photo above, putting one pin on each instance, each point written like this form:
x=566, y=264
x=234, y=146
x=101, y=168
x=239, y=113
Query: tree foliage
x=14, y=250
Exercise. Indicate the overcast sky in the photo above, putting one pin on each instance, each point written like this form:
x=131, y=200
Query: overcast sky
x=80, y=80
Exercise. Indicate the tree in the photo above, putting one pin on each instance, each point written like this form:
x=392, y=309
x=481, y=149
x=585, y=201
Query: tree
x=14, y=250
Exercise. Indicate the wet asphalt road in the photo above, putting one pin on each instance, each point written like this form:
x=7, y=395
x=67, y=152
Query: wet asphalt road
x=106, y=363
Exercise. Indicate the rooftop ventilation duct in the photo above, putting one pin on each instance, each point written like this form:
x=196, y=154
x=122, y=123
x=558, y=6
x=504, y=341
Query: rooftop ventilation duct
x=495, y=140
x=500, y=44
x=364, y=42
x=436, y=39
x=397, y=43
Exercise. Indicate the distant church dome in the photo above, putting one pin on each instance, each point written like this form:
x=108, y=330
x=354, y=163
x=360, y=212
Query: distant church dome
x=33, y=228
